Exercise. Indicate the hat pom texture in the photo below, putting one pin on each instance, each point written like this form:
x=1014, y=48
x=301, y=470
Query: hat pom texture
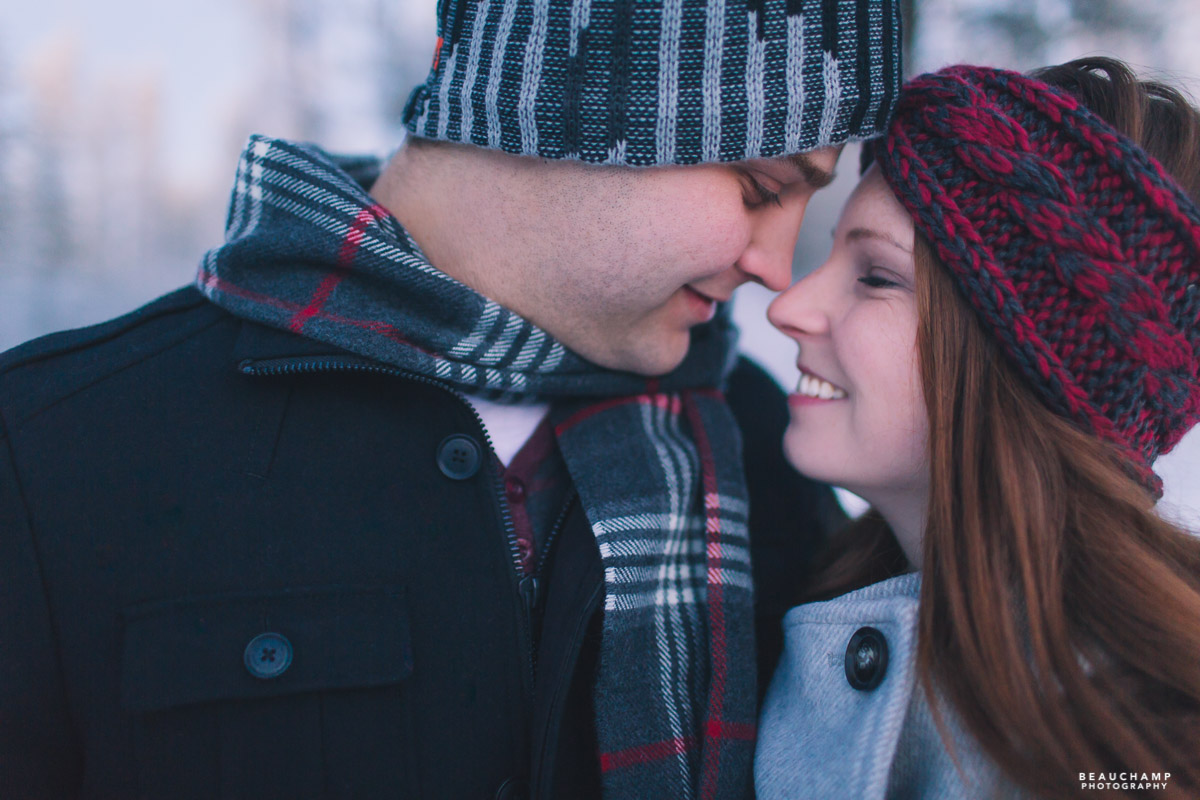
x=1078, y=253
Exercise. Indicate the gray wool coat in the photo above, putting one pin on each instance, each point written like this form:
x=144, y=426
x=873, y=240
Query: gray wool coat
x=819, y=737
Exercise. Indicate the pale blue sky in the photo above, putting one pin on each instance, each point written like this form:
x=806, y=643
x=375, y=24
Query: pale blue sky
x=193, y=48
x=201, y=54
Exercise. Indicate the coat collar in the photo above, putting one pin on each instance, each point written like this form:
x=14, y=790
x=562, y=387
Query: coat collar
x=256, y=342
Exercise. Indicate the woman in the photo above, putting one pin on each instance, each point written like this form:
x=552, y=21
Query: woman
x=1001, y=342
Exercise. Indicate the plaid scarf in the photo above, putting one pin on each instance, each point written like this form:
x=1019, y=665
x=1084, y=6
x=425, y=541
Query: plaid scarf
x=657, y=463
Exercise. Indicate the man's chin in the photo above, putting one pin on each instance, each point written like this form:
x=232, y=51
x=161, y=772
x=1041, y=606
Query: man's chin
x=650, y=353
x=649, y=361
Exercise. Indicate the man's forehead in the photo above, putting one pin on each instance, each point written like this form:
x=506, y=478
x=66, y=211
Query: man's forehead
x=816, y=166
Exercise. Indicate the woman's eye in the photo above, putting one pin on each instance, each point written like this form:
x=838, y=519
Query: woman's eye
x=877, y=282
x=758, y=195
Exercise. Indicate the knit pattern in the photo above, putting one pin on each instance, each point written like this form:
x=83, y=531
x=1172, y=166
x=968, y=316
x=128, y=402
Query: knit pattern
x=645, y=82
x=657, y=462
x=1076, y=250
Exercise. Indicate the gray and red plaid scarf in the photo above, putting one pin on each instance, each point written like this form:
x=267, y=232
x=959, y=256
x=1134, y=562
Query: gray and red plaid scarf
x=657, y=463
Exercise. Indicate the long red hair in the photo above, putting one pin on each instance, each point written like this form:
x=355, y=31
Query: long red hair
x=1059, y=615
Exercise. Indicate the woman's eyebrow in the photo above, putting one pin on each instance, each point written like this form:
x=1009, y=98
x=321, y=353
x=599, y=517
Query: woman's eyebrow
x=856, y=234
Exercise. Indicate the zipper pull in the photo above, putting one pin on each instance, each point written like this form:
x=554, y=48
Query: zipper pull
x=531, y=592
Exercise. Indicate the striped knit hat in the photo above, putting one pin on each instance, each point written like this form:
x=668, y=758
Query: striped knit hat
x=645, y=82
x=1079, y=254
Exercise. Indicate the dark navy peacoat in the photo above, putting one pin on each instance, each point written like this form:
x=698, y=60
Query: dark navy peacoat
x=231, y=566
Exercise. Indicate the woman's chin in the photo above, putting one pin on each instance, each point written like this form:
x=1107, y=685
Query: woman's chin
x=803, y=462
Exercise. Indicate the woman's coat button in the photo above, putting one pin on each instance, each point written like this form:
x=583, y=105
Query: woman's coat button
x=866, y=659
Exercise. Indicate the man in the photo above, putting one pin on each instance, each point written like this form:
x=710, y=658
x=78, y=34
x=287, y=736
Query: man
x=433, y=485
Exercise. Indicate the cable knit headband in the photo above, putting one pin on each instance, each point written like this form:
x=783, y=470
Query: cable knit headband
x=1080, y=256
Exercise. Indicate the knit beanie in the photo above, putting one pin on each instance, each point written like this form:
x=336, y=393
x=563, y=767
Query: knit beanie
x=1078, y=253
x=647, y=82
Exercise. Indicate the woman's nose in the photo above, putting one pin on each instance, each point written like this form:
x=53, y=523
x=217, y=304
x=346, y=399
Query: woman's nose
x=803, y=309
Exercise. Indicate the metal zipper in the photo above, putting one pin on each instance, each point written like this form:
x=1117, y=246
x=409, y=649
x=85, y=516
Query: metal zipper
x=529, y=596
x=572, y=496
x=537, y=577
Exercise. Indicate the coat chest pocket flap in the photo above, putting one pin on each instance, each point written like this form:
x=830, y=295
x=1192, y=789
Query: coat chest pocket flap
x=194, y=650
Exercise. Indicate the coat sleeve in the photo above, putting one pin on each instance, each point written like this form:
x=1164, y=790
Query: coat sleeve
x=38, y=756
x=791, y=517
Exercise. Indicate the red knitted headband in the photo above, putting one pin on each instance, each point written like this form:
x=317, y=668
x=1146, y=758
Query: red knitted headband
x=1080, y=256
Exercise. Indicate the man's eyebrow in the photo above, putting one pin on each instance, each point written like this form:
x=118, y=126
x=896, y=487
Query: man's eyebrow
x=856, y=234
x=814, y=175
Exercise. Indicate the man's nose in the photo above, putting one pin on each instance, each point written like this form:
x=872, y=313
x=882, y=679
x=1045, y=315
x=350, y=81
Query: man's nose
x=768, y=257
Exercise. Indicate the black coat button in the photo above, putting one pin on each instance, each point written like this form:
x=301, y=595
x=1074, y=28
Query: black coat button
x=513, y=789
x=459, y=457
x=866, y=659
x=268, y=655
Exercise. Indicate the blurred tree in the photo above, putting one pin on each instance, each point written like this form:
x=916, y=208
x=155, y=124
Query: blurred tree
x=8, y=144
x=908, y=25
x=339, y=74
x=50, y=227
x=1033, y=26
x=1022, y=34
x=407, y=31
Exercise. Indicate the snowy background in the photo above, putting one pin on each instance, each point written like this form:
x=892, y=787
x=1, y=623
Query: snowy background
x=121, y=122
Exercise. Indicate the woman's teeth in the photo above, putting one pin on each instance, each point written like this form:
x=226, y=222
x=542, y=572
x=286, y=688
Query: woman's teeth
x=812, y=386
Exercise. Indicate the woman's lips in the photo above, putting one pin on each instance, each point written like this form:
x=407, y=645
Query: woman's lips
x=812, y=389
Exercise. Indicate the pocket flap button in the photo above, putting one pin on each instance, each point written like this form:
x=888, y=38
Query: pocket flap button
x=268, y=655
